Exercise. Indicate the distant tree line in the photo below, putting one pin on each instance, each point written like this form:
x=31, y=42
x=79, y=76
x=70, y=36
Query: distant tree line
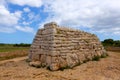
x=21, y=45
x=3, y=44
x=111, y=42
x=106, y=42
x=16, y=45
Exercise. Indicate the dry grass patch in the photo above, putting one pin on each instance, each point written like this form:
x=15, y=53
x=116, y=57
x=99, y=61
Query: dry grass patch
x=13, y=53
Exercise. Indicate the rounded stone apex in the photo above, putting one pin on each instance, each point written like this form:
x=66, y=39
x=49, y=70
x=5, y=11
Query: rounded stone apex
x=51, y=24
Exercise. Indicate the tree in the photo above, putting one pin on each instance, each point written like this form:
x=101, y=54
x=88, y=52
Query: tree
x=111, y=42
x=108, y=42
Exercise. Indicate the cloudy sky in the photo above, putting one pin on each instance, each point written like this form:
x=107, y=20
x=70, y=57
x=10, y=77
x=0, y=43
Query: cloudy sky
x=20, y=19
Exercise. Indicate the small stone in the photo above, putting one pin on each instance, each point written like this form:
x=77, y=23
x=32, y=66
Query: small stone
x=35, y=63
x=54, y=66
x=62, y=62
x=55, y=60
x=48, y=60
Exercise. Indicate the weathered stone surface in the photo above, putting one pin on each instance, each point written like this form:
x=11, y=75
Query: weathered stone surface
x=35, y=63
x=72, y=60
x=43, y=58
x=54, y=66
x=48, y=60
x=63, y=61
x=59, y=47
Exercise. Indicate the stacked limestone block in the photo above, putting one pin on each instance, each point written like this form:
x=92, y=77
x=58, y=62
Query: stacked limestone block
x=57, y=47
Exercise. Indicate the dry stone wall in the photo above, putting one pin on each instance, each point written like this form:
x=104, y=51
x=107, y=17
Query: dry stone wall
x=57, y=47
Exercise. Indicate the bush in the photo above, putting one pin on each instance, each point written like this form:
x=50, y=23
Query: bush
x=96, y=58
x=111, y=42
x=21, y=45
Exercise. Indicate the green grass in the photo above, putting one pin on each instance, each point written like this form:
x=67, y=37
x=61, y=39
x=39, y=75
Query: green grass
x=96, y=58
x=9, y=52
x=10, y=49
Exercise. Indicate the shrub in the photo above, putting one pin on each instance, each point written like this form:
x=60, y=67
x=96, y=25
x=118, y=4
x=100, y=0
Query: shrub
x=96, y=58
x=84, y=61
x=67, y=67
x=104, y=55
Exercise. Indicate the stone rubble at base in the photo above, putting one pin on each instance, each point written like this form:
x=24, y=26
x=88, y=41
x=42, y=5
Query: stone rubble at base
x=58, y=47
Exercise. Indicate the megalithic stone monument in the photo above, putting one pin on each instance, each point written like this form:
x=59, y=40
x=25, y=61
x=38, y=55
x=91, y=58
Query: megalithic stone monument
x=58, y=47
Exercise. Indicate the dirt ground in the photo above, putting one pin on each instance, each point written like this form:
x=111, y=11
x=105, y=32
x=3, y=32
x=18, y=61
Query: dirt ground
x=105, y=69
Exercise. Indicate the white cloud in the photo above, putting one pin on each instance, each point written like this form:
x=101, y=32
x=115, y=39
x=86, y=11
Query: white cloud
x=101, y=16
x=18, y=14
x=25, y=29
x=97, y=15
x=31, y=15
x=7, y=29
x=25, y=23
x=8, y=20
x=26, y=9
x=32, y=3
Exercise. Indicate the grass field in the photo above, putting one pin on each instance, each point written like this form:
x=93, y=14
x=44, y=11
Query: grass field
x=113, y=49
x=10, y=49
x=9, y=52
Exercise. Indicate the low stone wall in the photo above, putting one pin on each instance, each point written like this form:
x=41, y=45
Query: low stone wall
x=57, y=47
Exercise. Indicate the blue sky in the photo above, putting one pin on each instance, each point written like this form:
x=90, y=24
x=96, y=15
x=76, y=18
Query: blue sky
x=20, y=19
